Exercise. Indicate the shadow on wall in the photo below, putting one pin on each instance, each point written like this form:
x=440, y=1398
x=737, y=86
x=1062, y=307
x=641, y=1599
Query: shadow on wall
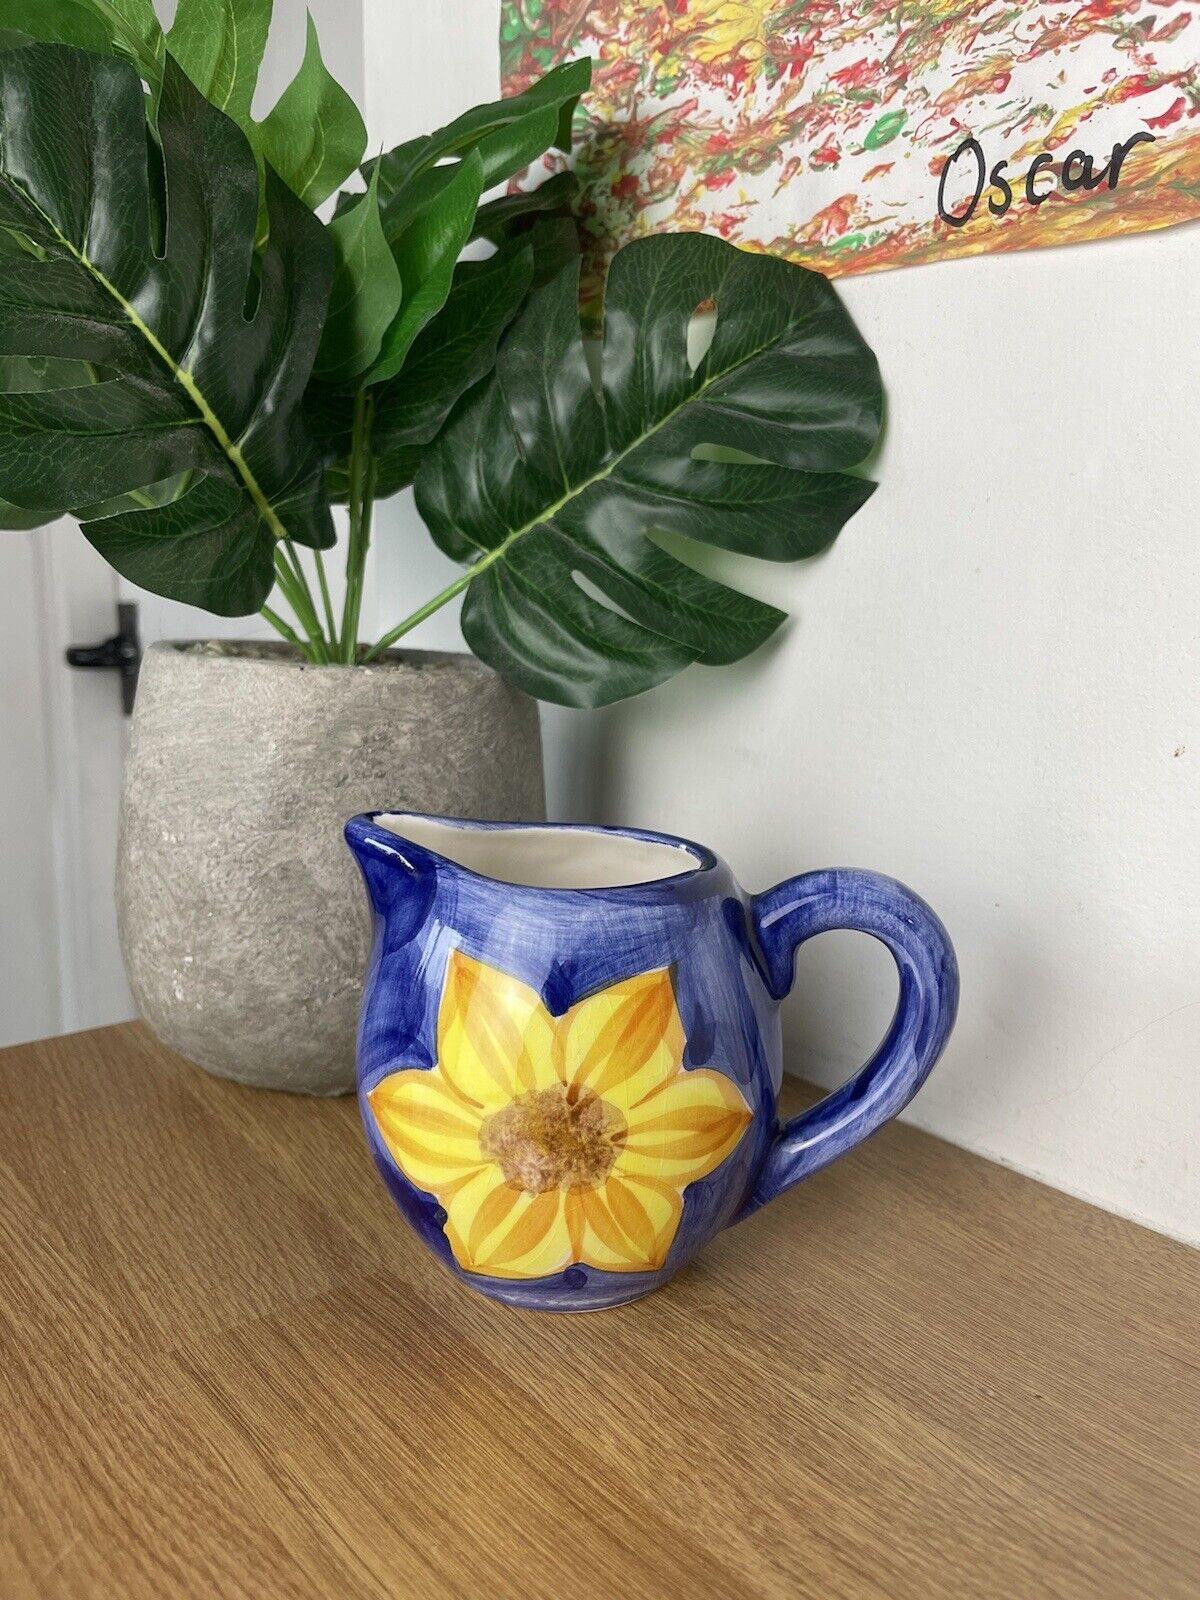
x=582, y=749
x=845, y=983
x=845, y=989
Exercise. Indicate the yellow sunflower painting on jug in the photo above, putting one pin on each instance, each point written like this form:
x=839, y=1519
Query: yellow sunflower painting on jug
x=554, y=1141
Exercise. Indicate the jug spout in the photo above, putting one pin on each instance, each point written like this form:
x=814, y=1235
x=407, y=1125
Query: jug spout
x=399, y=878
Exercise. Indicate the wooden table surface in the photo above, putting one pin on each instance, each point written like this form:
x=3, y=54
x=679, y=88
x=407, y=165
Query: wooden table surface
x=229, y=1370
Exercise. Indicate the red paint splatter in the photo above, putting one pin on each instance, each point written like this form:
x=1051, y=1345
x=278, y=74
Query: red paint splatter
x=857, y=75
x=1170, y=115
x=1174, y=28
x=834, y=220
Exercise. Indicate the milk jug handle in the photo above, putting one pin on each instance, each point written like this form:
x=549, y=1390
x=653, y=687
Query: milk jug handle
x=867, y=902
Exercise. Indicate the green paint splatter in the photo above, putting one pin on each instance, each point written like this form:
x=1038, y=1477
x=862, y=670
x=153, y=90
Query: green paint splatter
x=885, y=130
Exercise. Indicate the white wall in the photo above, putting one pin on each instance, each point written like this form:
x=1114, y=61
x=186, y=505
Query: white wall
x=61, y=743
x=29, y=1001
x=989, y=687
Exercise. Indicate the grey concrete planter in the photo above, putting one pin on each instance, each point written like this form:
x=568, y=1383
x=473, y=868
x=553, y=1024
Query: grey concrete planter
x=243, y=923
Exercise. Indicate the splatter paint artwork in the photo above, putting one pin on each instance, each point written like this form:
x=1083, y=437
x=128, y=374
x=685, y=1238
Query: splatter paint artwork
x=854, y=135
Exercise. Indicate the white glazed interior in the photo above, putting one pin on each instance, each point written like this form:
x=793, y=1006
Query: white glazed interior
x=547, y=858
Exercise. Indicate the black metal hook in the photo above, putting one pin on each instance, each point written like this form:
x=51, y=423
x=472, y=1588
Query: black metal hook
x=122, y=653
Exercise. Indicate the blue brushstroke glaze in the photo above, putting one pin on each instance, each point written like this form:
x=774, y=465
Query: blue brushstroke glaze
x=732, y=957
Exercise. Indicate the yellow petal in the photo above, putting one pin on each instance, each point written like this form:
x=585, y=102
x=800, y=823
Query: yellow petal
x=625, y=1041
x=700, y=1086
x=532, y=1241
x=426, y=1104
x=428, y=1131
x=685, y=1129
x=605, y=1243
x=632, y=1217
x=662, y=1203
x=576, y=1221
x=493, y=1213
x=463, y=1202
x=631, y=1223
x=495, y=1038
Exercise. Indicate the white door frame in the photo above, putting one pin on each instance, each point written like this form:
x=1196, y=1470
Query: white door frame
x=85, y=738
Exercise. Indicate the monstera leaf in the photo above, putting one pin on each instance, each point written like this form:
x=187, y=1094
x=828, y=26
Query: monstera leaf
x=449, y=357
x=418, y=329
x=128, y=28
x=314, y=136
x=510, y=214
x=202, y=349
x=452, y=355
x=430, y=189
x=220, y=44
x=506, y=135
x=65, y=21
x=554, y=491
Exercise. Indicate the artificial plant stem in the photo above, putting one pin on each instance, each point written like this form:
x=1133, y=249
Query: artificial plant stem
x=326, y=602
x=427, y=610
x=293, y=593
x=298, y=573
x=287, y=588
x=354, y=509
x=282, y=627
x=364, y=544
x=444, y=596
x=361, y=493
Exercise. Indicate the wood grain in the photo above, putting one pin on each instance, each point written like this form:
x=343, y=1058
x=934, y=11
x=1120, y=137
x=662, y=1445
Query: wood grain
x=228, y=1370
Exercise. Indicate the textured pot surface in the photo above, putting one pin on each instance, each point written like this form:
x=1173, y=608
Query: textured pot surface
x=243, y=923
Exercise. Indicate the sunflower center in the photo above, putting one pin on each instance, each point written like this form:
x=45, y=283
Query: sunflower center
x=549, y=1139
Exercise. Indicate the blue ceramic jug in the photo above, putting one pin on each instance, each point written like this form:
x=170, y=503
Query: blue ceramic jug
x=569, y=1051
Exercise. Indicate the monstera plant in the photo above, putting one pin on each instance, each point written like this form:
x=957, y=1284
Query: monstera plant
x=219, y=326
x=198, y=367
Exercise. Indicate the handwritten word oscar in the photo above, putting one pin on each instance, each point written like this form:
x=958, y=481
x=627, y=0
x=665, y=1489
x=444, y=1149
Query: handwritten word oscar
x=1078, y=171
